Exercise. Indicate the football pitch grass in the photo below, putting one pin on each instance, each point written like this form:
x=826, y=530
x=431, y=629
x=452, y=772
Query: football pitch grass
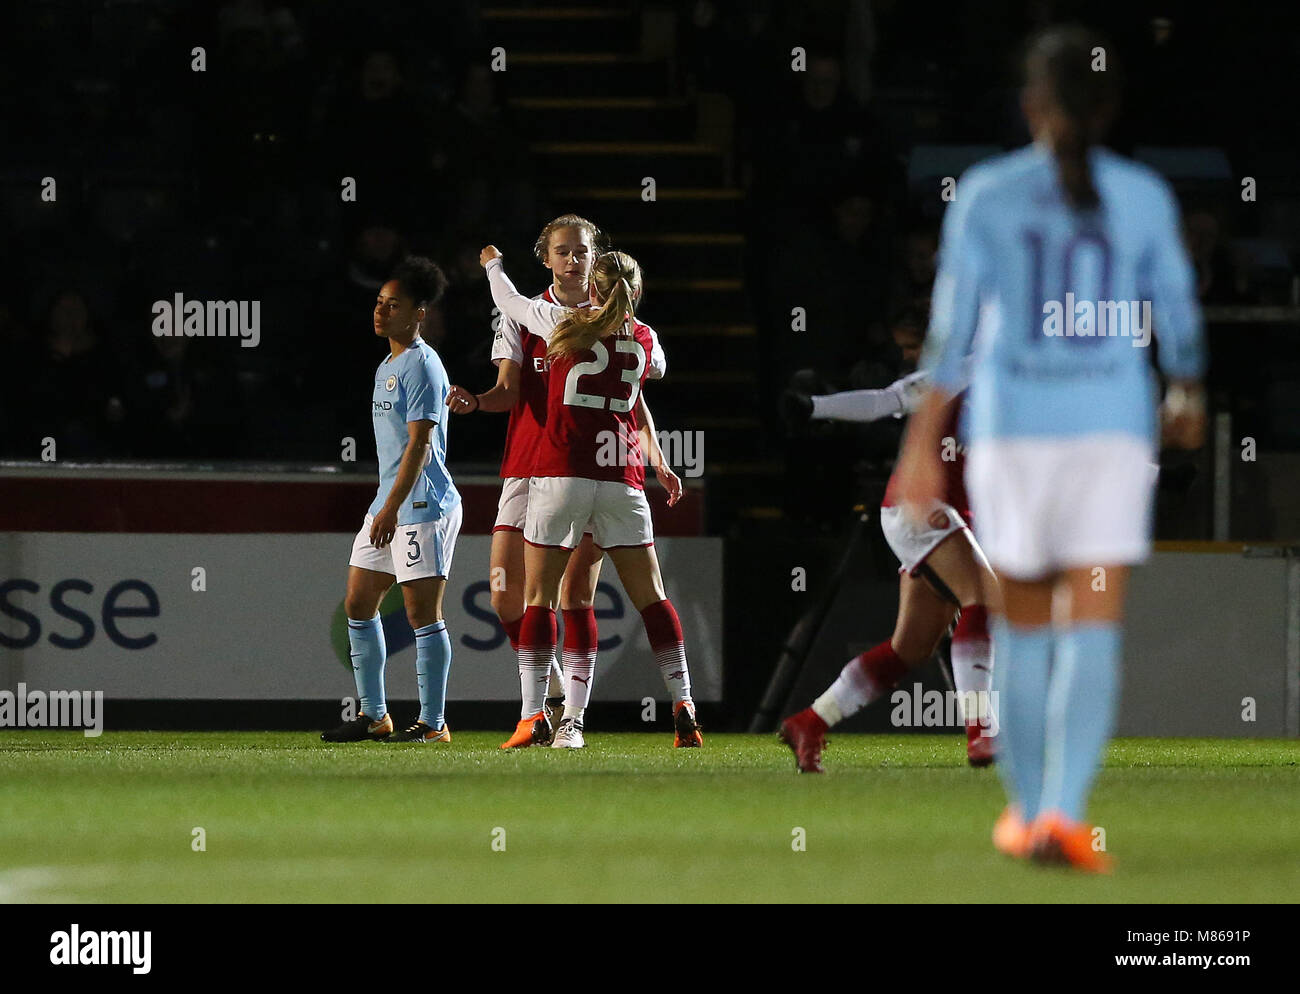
x=287, y=818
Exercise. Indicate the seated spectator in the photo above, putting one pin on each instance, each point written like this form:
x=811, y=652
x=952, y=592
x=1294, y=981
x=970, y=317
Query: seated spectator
x=483, y=161
x=22, y=350
x=77, y=381
x=377, y=106
x=913, y=278
x=823, y=136
x=160, y=400
x=1221, y=277
x=844, y=313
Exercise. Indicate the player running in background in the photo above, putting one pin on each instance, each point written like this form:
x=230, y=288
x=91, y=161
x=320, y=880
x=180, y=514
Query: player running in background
x=567, y=246
x=943, y=570
x=598, y=359
x=411, y=527
x=1062, y=420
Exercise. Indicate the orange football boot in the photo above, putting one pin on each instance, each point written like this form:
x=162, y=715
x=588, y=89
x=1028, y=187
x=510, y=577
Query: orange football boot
x=1011, y=834
x=686, y=731
x=1055, y=839
x=534, y=730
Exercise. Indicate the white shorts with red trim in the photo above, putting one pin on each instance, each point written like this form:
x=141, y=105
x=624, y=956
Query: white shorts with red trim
x=416, y=551
x=561, y=508
x=512, y=508
x=912, y=542
x=1046, y=504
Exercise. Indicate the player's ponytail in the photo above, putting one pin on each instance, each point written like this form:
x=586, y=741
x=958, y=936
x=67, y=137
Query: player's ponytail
x=617, y=279
x=1072, y=161
x=1075, y=71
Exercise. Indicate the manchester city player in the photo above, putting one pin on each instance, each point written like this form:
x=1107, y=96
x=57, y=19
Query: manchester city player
x=1060, y=254
x=411, y=527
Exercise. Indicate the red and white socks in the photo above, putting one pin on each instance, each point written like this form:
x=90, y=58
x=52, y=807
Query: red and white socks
x=879, y=669
x=535, y=644
x=579, y=660
x=536, y=650
x=512, y=631
x=972, y=666
x=664, y=630
x=556, y=679
x=863, y=679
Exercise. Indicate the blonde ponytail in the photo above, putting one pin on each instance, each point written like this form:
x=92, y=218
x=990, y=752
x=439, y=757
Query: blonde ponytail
x=617, y=279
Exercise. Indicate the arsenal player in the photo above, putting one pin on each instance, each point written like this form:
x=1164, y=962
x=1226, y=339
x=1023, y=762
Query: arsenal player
x=598, y=358
x=567, y=246
x=943, y=570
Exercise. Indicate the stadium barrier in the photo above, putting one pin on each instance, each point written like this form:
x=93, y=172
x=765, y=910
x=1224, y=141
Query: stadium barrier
x=1212, y=645
x=124, y=595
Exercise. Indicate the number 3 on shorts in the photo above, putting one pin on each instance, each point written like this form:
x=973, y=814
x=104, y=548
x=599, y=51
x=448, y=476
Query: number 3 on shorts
x=412, y=556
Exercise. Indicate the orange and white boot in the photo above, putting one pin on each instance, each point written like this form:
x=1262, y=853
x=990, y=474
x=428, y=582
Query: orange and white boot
x=533, y=730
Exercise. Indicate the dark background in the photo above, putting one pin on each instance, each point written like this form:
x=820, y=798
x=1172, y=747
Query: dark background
x=775, y=189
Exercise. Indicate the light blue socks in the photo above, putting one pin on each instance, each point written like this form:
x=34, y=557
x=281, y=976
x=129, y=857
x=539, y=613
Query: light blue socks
x=366, y=641
x=1020, y=680
x=1058, y=692
x=432, y=661
x=1081, y=707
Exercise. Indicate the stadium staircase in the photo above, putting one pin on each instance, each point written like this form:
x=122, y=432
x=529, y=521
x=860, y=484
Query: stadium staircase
x=687, y=239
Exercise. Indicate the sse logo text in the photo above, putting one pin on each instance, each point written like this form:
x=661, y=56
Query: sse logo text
x=112, y=610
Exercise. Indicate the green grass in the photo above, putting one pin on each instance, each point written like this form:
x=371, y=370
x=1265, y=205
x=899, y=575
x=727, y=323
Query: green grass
x=897, y=818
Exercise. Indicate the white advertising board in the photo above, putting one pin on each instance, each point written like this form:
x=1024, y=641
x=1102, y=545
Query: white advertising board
x=120, y=613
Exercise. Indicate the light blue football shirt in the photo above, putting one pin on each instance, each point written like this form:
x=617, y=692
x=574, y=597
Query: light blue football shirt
x=413, y=386
x=1020, y=271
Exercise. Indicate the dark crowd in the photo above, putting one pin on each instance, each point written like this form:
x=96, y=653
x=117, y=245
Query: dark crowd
x=225, y=184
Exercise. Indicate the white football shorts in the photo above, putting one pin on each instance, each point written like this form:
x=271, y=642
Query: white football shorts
x=512, y=508
x=561, y=508
x=912, y=542
x=416, y=551
x=1042, y=505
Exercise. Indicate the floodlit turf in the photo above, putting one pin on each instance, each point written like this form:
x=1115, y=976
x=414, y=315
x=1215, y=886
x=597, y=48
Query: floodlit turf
x=896, y=818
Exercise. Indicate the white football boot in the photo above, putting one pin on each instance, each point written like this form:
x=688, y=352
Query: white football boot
x=568, y=735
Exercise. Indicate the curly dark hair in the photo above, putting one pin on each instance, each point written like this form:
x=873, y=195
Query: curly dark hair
x=420, y=279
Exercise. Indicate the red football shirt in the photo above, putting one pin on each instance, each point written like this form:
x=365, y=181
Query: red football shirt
x=524, y=432
x=590, y=430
